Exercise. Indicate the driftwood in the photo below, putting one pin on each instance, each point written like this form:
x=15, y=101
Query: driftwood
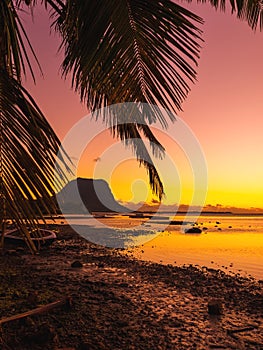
x=39, y=310
x=240, y=330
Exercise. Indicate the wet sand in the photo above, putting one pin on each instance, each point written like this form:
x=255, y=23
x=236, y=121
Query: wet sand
x=119, y=302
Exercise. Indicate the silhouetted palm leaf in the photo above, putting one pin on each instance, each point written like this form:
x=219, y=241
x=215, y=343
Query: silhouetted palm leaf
x=13, y=40
x=28, y=145
x=131, y=51
x=248, y=10
x=28, y=148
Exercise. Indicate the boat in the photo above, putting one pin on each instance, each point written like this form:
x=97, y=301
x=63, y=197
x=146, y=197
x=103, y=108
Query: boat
x=14, y=236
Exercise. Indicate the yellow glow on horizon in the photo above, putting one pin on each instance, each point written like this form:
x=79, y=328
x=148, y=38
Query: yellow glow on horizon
x=129, y=181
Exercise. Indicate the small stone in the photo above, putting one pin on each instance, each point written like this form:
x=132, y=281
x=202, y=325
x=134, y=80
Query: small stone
x=124, y=285
x=76, y=264
x=40, y=335
x=16, y=295
x=215, y=307
x=193, y=230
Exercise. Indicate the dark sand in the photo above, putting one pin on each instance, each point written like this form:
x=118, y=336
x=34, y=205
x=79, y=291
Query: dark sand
x=122, y=303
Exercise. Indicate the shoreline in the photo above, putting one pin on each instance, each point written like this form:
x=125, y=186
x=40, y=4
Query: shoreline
x=119, y=302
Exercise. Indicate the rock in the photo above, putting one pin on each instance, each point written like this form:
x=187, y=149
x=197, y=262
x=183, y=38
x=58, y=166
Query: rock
x=193, y=230
x=215, y=307
x=76, y=264
x=124, y=285
x=16, y=295
x=40, y=335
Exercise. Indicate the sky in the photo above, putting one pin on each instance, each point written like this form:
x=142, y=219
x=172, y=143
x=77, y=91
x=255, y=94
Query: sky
x=224, y=110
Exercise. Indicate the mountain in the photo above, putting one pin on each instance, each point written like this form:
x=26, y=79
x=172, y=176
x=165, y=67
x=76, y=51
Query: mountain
x=95, y=195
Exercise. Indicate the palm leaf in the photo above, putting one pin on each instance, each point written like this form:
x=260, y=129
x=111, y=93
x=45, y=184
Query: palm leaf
x=28, y=150
x=250, y=11
x=14, y=54
x=126, y=122
x=28, y=145
x=56, y=5
x=131, y=51
x=130, y=135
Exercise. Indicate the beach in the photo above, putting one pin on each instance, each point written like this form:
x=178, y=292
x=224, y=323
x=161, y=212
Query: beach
x=120, y=302
x=131, y=195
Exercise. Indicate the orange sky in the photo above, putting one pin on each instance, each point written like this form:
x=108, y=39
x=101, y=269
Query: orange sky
x=224, y=110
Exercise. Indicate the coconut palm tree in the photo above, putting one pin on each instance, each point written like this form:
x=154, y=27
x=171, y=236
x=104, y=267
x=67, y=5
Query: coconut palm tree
x=142, y=51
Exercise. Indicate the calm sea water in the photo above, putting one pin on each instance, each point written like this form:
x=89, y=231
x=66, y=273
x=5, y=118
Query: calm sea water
x=231, y=243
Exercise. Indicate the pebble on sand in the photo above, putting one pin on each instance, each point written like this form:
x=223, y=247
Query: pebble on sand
x=215, y=307
x=193, y=230
x=76, y=264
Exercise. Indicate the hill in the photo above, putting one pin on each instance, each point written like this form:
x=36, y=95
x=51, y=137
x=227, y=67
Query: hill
x=95, y=195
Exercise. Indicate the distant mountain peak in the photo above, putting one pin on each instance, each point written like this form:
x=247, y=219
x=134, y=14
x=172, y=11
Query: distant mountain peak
x=94, y=194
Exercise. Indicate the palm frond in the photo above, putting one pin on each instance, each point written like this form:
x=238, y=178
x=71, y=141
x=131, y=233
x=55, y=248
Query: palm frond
x=130, y=135
x=28, y=150
x=130, y=51
x=14, y=56
x=126, y=122
x=250, y=11
x=55, y=5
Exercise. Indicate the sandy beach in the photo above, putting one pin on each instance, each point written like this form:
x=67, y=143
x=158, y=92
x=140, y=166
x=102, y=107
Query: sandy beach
x=119, y=302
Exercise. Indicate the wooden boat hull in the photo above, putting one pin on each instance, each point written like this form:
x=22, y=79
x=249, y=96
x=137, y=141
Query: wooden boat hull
x=13, y=236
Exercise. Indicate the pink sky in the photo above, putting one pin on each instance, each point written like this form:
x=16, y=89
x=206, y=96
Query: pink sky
x=224, y=108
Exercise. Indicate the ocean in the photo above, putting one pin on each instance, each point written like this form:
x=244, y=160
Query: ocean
x=232, y=243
